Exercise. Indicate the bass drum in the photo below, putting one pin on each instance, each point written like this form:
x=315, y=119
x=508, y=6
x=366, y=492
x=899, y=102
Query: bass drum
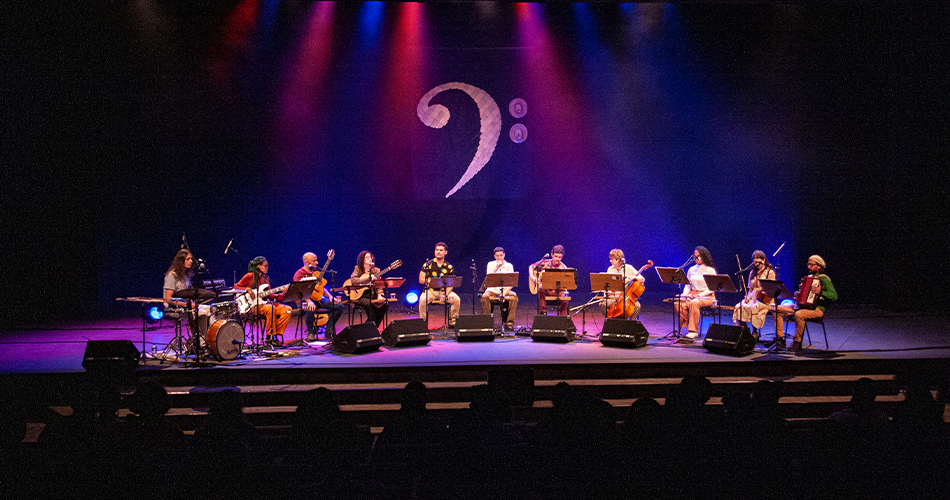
x=221, y=339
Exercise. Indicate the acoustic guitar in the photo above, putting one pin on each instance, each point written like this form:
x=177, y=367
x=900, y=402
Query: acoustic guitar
x=317, y=294
x=356, y=293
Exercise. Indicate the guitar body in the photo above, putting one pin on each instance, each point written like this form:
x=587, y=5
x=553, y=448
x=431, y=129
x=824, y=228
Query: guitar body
x=245, y=302
x=356, y=294
x=532, y=284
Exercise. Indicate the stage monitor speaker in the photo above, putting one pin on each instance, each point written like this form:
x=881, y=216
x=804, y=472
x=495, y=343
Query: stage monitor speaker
x=356, y=339
x=479, y=327
x=623, y=333
x=553, y=329
x=728, y=339
x=110, y=356
x=406, y=332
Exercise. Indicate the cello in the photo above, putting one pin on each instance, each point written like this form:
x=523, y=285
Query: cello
x=631, y=293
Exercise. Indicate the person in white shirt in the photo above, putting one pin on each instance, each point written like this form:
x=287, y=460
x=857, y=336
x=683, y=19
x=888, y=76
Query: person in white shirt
x=696, y=295
x=510, y=306
x=618, y=265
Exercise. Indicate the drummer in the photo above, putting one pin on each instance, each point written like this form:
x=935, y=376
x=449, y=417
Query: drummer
x=178, y=277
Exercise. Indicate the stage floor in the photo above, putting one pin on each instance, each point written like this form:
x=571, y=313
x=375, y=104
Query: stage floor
x=852, y=334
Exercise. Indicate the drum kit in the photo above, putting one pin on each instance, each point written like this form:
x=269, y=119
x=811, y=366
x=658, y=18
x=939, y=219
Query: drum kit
x=225, y=334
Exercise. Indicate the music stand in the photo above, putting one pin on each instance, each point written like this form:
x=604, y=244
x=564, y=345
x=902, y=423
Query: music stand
x=676, y=277
x=385, y=285
x=437, y=283
x=503, y=280
x=559, y=280
x=719, y=283
x=775, y=289
x=298, y=291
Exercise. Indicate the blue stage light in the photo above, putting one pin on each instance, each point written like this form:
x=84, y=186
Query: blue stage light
x=412, y=297
x=788, y=302
x=155, y=314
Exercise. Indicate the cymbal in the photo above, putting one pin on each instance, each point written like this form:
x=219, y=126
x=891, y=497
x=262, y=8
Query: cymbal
x=142, y=300
x=189, y=293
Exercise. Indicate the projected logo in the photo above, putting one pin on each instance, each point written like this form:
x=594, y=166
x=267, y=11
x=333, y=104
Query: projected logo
x=437, y=116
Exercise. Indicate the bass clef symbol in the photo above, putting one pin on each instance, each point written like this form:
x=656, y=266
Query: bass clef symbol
x=437, y=116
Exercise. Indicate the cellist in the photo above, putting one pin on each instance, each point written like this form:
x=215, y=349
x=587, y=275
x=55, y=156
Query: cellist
x=618, y=265
x=755, y=306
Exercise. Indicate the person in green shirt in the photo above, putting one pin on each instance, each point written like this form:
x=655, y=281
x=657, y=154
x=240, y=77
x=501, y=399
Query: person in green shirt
x=826, y=292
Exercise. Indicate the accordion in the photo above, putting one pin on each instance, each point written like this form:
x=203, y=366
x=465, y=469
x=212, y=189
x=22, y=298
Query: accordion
x=805, y=297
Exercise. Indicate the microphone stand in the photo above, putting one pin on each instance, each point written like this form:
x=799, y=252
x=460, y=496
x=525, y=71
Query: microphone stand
x=474, y=279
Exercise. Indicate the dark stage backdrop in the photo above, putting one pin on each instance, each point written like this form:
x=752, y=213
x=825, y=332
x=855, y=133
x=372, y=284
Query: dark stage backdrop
x=293, y=126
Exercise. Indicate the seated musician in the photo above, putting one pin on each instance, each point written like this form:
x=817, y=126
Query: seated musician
x=510, y=304
x=276, y=315
x=755, y=306
x=557, y=253
x=438, y=267
x=178, y=277
x=336, y=309
x=618, y=265
x=696, y=295
x=825, y=292
x=371, y=299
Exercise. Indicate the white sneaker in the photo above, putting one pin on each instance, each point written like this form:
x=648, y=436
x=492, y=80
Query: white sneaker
x=692, y=335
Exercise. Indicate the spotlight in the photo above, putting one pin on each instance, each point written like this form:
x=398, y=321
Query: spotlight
x=154, y=314
x=412, y=297
x=788, y=303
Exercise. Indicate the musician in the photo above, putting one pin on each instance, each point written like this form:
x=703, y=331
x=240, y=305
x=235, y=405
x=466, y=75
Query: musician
x=371, y=299
x=826, y=292
x=276, y=315
x=510, y=304
x=618, y=265
x=438, y=267
x=328, y=302
x=557, y=253
x=178, y=277
x=696, y=295
x=755, y=306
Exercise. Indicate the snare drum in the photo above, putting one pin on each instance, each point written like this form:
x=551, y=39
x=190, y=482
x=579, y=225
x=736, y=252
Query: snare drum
x=223, y=310
x=221, y=339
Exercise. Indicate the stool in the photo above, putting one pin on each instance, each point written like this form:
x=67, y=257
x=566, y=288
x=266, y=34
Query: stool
x=445, y=309
x=555, y=301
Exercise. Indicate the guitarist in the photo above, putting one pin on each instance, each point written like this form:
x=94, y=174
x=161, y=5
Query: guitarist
x=328, y=302
x=370, y=301
x=438, y=267
x=510, y=305
x=276, y=315
x=618, y=265
x=755, y=306
x=557, y=253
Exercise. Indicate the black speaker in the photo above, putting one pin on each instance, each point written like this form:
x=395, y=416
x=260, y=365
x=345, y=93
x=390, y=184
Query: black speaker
x=406, y=332
x=356, y=339
x=110, y=356
x=728, y=339
x=479, y=327
x=622, y=333
x=553, y=329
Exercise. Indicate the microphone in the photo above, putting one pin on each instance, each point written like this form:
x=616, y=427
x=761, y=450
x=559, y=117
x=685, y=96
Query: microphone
x=201, y=264
x=229, y=246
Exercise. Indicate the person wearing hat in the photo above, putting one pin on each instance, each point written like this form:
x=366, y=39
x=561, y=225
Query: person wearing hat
x=276, y=315
x=510, y=304
x=826, y=292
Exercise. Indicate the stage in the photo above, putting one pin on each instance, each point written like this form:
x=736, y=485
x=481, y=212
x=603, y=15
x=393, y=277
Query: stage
x=853, y=335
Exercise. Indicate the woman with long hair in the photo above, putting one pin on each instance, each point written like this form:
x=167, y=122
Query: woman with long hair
x=364, y=273
x=696, y=295
x=755, y=306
